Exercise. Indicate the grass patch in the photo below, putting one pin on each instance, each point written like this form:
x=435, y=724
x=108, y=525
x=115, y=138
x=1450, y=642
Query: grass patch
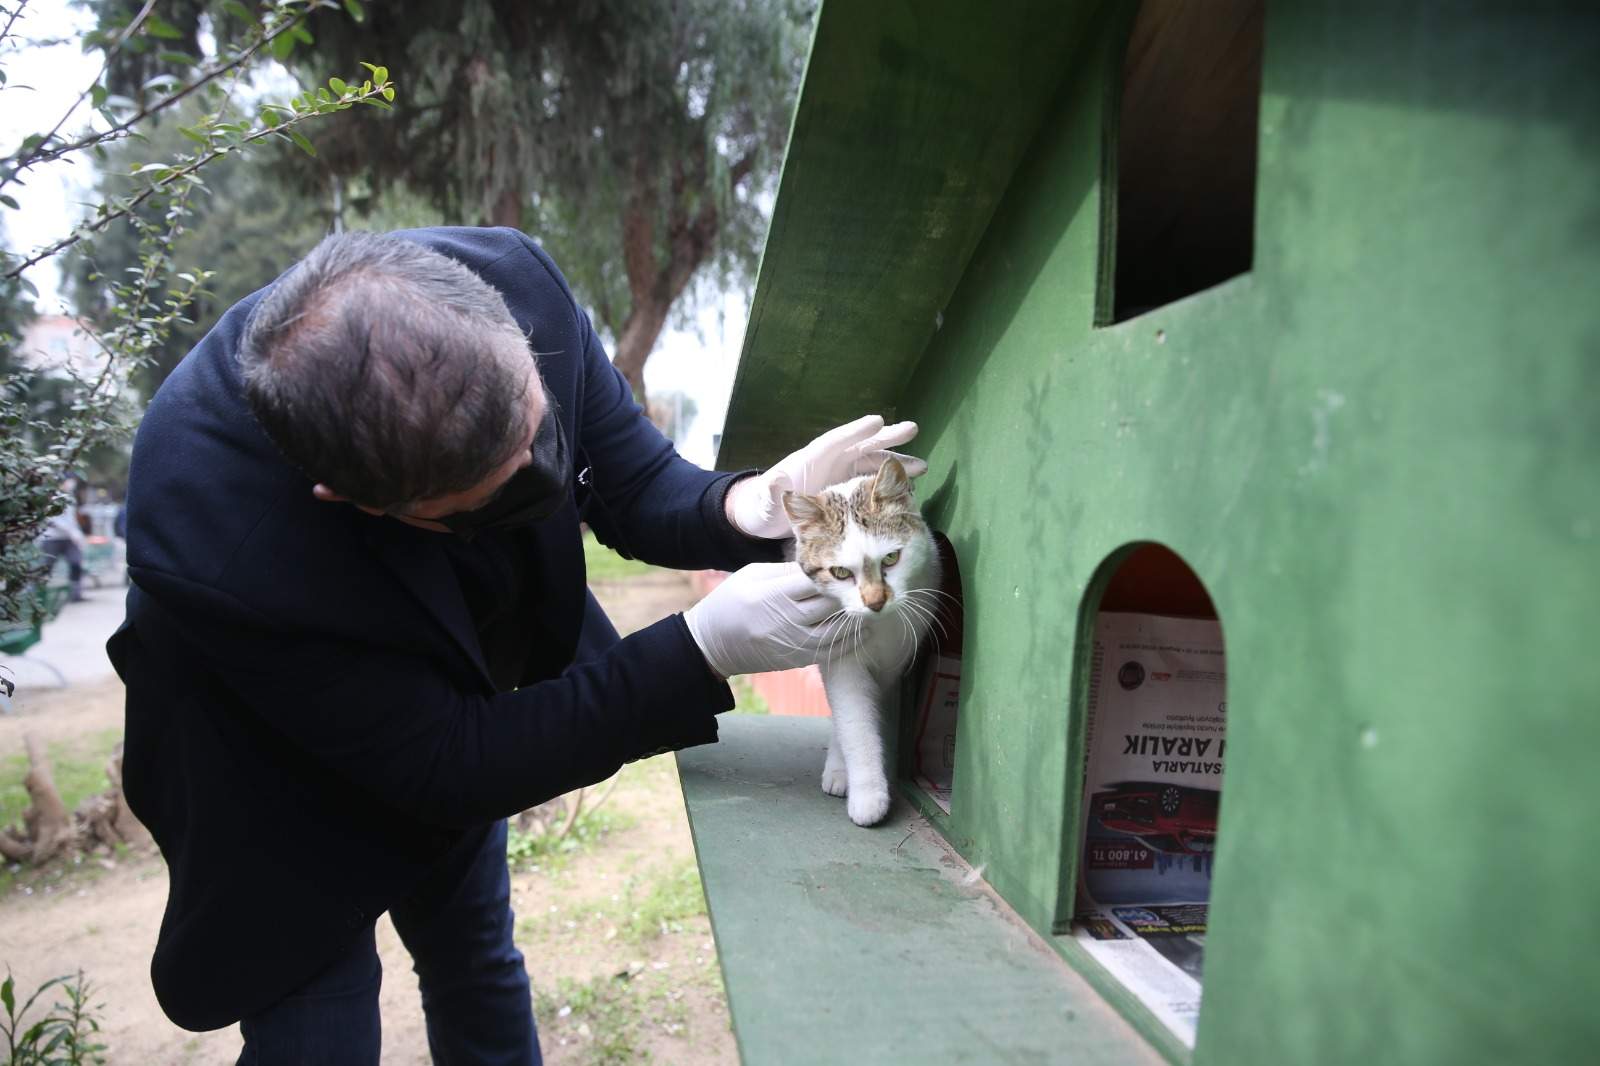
x=603, y=564
x=535, y=850
x=663, y=906
x=609, y=1014
x=603, y=1013
x=746, y=700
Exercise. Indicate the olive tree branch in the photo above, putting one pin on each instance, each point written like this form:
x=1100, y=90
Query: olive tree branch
x=16, y=13
x=28, y=154
x=373, y=93
x=41, y=154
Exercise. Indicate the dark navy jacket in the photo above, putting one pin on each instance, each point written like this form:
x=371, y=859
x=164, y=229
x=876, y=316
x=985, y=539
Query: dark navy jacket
x=310, y=720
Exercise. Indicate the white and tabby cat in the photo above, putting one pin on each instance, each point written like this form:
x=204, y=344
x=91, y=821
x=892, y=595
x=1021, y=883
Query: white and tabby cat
x=864, y=543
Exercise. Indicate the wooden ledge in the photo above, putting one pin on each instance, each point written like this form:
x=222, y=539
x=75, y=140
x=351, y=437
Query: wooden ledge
x=849, y=945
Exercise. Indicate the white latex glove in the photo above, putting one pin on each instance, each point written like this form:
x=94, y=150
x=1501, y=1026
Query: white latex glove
x=755, y=504
x=767, y=616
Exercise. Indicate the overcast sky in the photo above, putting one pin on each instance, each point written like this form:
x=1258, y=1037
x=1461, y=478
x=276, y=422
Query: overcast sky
x=42, y=83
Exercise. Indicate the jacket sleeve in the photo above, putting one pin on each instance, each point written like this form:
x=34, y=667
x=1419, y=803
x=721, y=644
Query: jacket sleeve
x=409, y=734
x=645, y=500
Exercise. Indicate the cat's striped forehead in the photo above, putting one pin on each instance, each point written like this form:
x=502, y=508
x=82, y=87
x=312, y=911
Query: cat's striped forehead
x=850, y=509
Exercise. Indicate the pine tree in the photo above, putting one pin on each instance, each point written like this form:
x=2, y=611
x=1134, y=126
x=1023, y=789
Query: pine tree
x=635, y=138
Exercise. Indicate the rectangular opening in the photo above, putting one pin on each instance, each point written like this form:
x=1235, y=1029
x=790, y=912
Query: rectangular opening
x=1150, y=798
x=930, y=703
x=1182, y=195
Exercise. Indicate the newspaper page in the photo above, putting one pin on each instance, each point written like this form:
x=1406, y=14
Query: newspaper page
x=934, y=758
x=938, y=696
x=1154, y=749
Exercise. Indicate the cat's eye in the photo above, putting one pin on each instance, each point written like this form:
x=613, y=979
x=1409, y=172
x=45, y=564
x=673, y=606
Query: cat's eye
x=841, y=572
x=892, y=558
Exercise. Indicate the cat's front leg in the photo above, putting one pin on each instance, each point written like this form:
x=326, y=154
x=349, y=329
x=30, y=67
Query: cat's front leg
x=834, y=779
x=853, y=696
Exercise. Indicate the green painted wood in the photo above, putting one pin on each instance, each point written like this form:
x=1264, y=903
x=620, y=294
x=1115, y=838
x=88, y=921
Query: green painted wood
x=849, y=945
x=906, y=134
x=1379, y=451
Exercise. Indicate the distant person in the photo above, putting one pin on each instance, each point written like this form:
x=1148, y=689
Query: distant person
x=63, y=539
x=358, y=633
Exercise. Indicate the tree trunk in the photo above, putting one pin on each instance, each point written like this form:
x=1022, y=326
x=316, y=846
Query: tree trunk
x=508, y=208
x=638, y=339
x=49, y=830
x=653, y=284
x=48, y=823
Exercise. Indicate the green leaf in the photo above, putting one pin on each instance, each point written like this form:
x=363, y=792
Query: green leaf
x=237, y=10
x=9, y=202
x=29, y=287
x=8, y=995
x=380, y=74
x=388, y=92
x=355, y=10
x=300, y=139
x=177, y=59
x=194, y=135
x=97, y=96
x=282, y=46
x=156, y=26
x=338, y=86
x=150, y=167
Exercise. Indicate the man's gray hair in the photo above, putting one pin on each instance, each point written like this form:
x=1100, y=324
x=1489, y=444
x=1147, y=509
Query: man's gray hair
x=387, y=371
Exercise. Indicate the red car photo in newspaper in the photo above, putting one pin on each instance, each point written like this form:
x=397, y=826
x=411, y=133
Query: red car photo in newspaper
x=1167, y=817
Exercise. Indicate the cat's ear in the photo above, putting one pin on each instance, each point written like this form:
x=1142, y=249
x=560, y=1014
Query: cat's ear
x=892, y=485
x=802, y=510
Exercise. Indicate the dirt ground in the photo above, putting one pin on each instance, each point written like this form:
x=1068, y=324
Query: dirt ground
x=618, y=945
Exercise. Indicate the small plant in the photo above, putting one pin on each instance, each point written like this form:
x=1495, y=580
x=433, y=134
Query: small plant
x=666, y=905
x=68, y=1035
x=602, y=1013
x=533, y=846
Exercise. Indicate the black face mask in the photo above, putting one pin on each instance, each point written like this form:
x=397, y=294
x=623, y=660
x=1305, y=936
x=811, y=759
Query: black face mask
x=534, y=492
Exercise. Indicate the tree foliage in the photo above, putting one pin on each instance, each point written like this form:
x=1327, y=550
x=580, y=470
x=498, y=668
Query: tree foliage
x=152, y=298
x=243, y=230
x=635, y=138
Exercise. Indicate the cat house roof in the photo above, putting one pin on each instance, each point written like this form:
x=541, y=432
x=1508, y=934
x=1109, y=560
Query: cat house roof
x=911, y=121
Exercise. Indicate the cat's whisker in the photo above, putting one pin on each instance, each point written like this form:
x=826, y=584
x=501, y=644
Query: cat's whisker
x=933, y=597
x=840, y=631
x=862, y=654
x=925, y=616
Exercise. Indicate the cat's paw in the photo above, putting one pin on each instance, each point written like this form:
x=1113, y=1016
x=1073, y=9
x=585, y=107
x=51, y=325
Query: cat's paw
x=867, y=806
x=834, y=781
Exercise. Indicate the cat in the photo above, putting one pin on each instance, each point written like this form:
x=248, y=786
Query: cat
x=864, y=543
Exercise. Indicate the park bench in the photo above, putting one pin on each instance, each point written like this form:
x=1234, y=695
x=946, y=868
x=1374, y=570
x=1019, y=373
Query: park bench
x=19, y=635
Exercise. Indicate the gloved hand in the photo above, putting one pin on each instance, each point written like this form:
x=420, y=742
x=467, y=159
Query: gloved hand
x=755, y=505
x=767, y=616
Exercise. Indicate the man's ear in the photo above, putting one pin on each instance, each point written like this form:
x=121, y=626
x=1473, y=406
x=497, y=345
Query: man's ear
x=327, y=495
x=802, y=510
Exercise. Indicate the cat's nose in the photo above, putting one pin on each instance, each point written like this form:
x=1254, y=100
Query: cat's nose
x=875, y=598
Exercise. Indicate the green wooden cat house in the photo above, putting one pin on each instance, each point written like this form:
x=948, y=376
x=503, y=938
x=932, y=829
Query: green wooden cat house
x=1256, y=349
